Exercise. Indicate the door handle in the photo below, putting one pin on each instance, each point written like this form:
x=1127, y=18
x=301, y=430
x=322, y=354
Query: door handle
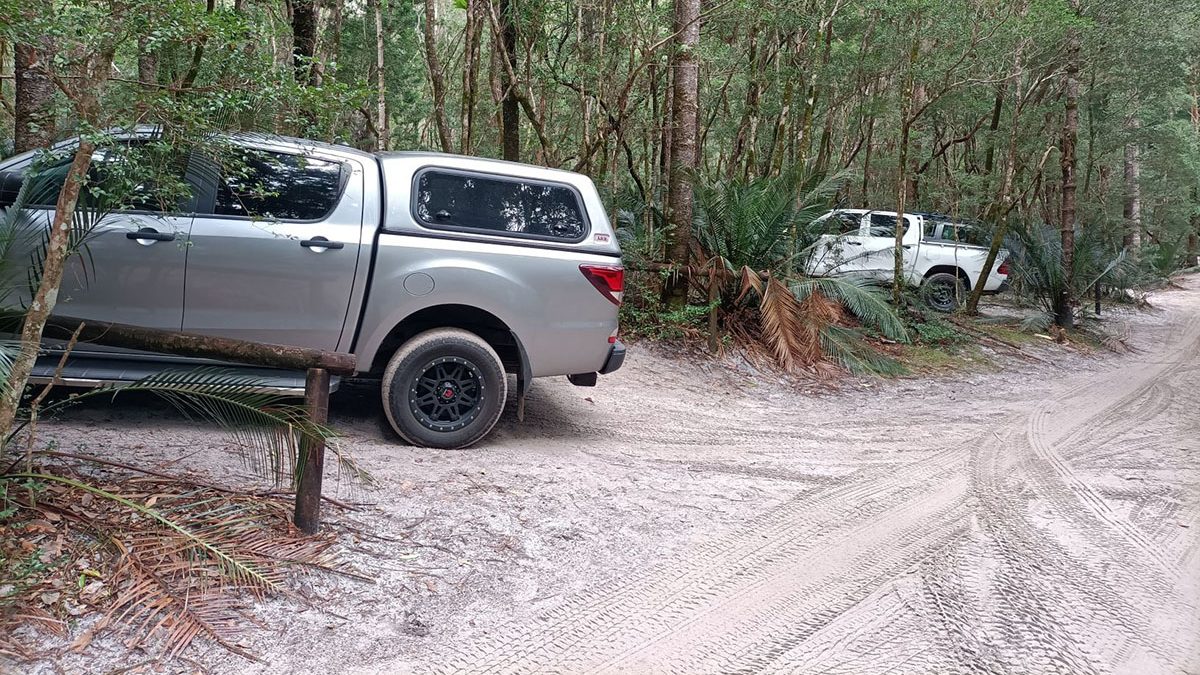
x=907, y=246
x=321, y=243
x=148, y=235
x=854, y=243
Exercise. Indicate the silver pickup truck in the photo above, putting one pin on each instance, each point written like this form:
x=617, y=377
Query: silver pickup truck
x=440, y=273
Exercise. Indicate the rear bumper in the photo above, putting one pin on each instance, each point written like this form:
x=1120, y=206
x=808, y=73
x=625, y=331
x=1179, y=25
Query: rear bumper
x=616, y=357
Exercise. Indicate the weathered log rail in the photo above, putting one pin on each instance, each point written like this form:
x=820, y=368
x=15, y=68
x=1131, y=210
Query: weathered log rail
x=319, y=364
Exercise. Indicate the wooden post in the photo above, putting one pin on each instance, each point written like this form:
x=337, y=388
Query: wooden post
x=311, y=464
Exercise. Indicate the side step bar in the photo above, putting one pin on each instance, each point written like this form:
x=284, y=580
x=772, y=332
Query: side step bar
x=96, y=371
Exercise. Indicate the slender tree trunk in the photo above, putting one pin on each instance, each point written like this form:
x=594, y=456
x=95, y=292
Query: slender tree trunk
x=1133, y=188
x=999, y=213
x=1193, y=242
x=470, y=86
x=1063, y=306
x=147, y=63
x=902, y=186
x=684, y=122
x=383, y=128
x=437, y=77
x=304, y=40
x=510, y=108
x=34, y=122
x=997, y=109
x=742, y=142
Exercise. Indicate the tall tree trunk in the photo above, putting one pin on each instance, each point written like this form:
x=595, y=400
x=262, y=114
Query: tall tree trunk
x=437, y=77
x=742, y=142
x=1133, y=187
x=470, y=78
x=383, y=128
x=685, y=66
x=33, y=123
x=1193, y=242
x=908, y=97
x=147, y=63
x=304, y=40
x=510, y=107
x=999, y=212
x=1063, y=305
x=997, y=109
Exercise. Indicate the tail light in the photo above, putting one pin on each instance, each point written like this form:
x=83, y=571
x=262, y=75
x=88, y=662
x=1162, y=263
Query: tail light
x=608, y=279
x=1003, y=269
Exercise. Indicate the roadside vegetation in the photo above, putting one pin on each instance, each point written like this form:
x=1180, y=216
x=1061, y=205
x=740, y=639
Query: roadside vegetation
x=718, y=132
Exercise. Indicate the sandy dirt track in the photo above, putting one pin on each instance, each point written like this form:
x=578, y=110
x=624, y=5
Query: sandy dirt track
x=683, y=518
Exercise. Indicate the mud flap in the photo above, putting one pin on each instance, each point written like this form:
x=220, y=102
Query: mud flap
x=524, y=375
x=522, y=386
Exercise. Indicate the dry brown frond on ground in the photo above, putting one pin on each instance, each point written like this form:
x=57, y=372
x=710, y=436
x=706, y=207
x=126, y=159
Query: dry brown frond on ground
x=161, y=561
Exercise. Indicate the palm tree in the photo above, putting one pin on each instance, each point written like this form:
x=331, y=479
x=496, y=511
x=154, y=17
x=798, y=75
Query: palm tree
x=755, y=234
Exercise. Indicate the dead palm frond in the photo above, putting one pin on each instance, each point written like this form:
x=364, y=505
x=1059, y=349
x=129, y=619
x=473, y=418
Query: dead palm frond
x=784, y=328
x=861, y=298
x=182, y=558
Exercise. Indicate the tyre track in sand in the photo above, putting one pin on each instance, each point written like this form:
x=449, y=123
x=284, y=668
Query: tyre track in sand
x=1011, y=560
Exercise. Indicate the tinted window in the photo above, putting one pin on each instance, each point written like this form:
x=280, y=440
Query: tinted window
x=454, y=200
x=963, y=234
x=842, y=223
x=137, y=177
x=278, y=186
x=883, y=225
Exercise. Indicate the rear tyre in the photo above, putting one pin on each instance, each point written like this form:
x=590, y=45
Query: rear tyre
x=444, y=388
x=943, y=292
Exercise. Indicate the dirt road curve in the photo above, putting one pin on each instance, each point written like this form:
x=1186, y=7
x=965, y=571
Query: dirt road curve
x=685, y=518
x=1061, y=539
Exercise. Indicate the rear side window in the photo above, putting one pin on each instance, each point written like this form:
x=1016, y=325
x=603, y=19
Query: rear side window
x=279, y=186
x=452, y=200
x=841, y=222
x=884, y=225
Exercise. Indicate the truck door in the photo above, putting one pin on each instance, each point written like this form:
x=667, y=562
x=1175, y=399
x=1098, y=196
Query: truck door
x=130, y=267
x=879, y=245
x=274, y=254
x=839, y=252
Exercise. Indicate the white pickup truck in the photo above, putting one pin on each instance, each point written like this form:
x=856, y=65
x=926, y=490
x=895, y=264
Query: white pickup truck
x=942, y=257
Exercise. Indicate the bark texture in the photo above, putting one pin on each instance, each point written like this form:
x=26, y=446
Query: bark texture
x=304, y=39
x=510, y=106
x=1133, y=188
x=437, y=77
x=34, y=124
x=685, y=67
x=1063, y=306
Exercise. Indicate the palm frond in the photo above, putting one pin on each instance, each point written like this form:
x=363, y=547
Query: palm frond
x=186, y=556
x=783, y=329
x=265, y=426
x=847, y=348
x=231, y=566
x=862, y=298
